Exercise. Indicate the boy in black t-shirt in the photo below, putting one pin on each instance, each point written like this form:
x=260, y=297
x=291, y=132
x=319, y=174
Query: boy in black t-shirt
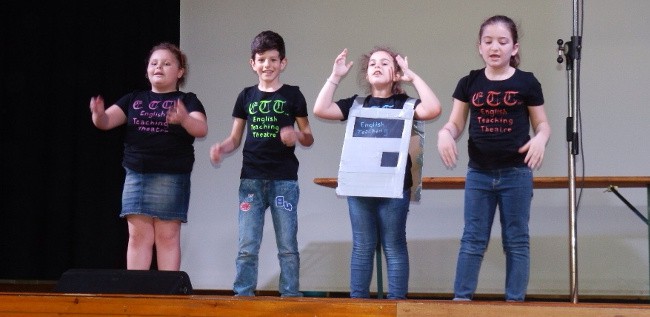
x=269, y=175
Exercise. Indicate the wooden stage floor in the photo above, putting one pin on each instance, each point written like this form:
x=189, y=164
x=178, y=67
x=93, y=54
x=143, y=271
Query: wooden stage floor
x=53, y=304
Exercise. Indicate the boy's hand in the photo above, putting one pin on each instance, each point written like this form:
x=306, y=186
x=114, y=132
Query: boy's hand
x=215, y=153
x=288, y=136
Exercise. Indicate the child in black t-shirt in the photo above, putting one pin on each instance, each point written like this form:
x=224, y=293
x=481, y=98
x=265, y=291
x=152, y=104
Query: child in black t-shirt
x=378, y=219
x=269, y=174
x=502, y=103
x=161, y=125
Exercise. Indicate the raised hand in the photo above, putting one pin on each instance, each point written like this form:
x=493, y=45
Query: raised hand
x=407, y=74
x=97, y=106
x=340, y=67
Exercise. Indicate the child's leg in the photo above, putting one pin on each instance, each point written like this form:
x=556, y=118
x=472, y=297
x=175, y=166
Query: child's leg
x=284, y=210
x=141, y=240
x=392, y=216
x=168, y=244
x=252, y=206
x=363, y=218
x=480, y=206
x=516, y=193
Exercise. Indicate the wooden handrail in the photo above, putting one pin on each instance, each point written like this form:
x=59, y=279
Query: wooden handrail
x=538, y=182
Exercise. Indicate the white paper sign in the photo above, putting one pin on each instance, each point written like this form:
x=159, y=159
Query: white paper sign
x=375, y=150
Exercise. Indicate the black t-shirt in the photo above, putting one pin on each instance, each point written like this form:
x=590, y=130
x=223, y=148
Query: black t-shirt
x=392, y=102
x=499, y=122
x=152, y=145
x=264, y=154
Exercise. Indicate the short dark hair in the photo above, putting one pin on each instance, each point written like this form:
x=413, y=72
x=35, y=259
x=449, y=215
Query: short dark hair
x=266, y=41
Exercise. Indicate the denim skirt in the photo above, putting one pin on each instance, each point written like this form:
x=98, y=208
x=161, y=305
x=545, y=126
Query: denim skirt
x=158, y=195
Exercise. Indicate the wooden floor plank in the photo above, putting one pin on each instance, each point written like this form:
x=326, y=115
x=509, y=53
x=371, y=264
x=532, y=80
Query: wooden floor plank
x=503, y=309
x=194, y=305
x=83, y=305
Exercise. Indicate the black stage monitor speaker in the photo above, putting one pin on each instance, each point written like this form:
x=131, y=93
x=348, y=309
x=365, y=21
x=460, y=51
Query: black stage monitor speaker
x=102, y=281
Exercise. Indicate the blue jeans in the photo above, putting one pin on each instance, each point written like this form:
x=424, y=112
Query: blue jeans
x=255, y=196
x=510, y=189
x=379, y=220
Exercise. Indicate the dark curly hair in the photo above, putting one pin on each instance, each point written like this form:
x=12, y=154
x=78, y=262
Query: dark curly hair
x=363, y=70
x=266, y=41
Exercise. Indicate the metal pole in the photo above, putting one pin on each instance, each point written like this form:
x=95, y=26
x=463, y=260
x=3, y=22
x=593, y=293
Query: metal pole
x=573, y=239
x=572, y=51
x=573, y=147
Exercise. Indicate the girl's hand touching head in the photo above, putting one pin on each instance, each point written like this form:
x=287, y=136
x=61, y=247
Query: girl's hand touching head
x=407, y=74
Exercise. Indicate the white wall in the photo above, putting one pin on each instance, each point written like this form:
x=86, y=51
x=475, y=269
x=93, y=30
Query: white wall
x=439, y=38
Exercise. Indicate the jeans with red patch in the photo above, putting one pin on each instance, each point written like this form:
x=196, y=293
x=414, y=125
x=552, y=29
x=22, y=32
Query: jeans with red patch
x=281, y=198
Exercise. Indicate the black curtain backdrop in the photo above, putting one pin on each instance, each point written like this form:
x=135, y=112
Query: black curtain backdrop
x=61, y=177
